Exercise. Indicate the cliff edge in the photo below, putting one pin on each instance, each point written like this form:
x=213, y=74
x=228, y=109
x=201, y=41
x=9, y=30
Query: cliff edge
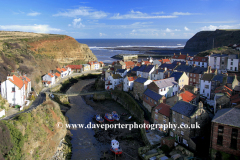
x=206, y=40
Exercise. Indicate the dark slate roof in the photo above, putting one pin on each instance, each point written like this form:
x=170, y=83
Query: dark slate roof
x=157, y=71
x=183, y=68
x=176, y=75
x=148, y=68
x=198, y=70
x=142, y=68
x=169, y=66
x=232, y=56
x=207, y=77
x=228, y=116
x=135, y=68
x=152, y=95
x=121, y=70
x=219, y=55
x=230, y=79
x=184, y=108
x=141, y=80
x=218, y=78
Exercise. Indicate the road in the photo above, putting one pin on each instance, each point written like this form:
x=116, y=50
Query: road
x=42, y=96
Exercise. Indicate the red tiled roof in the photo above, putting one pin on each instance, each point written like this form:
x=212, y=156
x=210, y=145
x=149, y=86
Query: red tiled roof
x=132, y=78
x=75, y=66
x=49, y=82
x=138, y=64
x=17, y=81
x=165, y=61
x=129, y=63
x=223, y=89
x=146, y=62
x=92, y=62
x=101, y=62
x=63, y=69
x=200, y=59
x=29, y=80
x=51, y=75
x=163, y=109
x=179, y=56
x=57, y=74
x=187, y=96
x=59, y=70
x=235, y=99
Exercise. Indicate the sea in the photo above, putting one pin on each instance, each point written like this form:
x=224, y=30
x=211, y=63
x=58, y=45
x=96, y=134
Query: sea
x=104, y=48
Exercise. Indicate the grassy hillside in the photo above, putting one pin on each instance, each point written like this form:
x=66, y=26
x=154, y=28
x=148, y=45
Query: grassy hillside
x=219, y=50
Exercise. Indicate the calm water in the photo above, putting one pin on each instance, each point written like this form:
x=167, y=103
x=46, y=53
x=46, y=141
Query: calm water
x=98, y=46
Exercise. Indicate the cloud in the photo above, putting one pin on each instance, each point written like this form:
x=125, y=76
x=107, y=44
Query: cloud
x=184, y=13
x=158, y=12
x=212, y=27
x=77, y=23
x=102, y=34
x=186, y=29
x=170, y=30
x=82, y=11
x=30, y=28
x=33, y=14
x=216, y=22
x=139, y=15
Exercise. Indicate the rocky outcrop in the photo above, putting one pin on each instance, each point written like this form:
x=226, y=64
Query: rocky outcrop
x=205, y=40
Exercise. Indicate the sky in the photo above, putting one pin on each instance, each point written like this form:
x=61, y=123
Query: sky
x=120, y=19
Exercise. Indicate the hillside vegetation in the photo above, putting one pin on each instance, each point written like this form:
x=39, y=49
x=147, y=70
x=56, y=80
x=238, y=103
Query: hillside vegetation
x=36, y=54
x=33, y=135
x=219, y=50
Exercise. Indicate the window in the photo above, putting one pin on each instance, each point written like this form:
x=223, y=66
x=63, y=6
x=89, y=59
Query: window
x=207, y=86
x=203, y=91
x=202, y=63
x=194, y=75
x=164, y=117
x=193, y=80
x=147, y=98
x=199, y=75
x=182, y=116
x=207, y=94
x=231, y=68
x=164, y=121
x=190, y=79
x=156, y=110
x=174, y=120
x=182, y=133
x=220, y=135
x=231, y=63
x=185, y=142
x=234, y=138
x=182, y=80
x=155, y=102
x=150, y=100
x=191, y=74
x=173, y=112
x=13, y=89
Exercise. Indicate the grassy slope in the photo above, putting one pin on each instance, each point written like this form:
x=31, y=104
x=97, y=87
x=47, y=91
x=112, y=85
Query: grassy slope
x=223, y=50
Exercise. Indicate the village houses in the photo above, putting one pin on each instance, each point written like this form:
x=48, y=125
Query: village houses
x=112, y=81
x=181, y=78
x=128, y=83
x=139, y=86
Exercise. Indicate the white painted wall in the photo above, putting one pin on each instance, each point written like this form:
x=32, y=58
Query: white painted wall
x=233, y=64
x=127, y=85
x=206, y=92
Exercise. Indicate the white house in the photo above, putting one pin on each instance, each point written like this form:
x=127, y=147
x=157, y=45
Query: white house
x=147, y=71
x=14, y=90
x=218, y=61
x=128, y=83
x=27, y=82
x=205, y=85
x=140, y=70
x=113, y=81
x=233, y=61
x=121, y=72
x=198, y=61
x=63, y=72
x=49, y=79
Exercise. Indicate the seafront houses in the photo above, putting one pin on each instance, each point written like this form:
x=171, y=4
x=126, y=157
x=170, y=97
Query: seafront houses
x=48, y=79
x=187, y=114
x=146, y=73
x=195, y=76
x=86, y=67
x=94, y=65
x=151, y=99
x=165, y=87
x=236, y=85
x=140, y=70
x=180, y=57
x=122, y=72
x=157, y=74
x=139, y=86
x=15, y=90
x=225, y=134
x=181, y=78
x=112, y=81
x=75, y=68
x=128, y=83
x=218, y=61
x=198, y=61
x=206, y=84
x=233, y=62
x=161, y=115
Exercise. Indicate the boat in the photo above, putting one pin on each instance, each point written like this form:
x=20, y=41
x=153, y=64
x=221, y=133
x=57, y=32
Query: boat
x=99, y=118
x=115, y=116
x=115, y=148
x=109, y=117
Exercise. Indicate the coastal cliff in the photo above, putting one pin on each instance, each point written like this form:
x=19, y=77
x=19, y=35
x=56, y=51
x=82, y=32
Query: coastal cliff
x=36, y=54
x=34, y=135
x=206, y=40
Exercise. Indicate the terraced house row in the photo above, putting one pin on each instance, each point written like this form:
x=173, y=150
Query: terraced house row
x=186, y=90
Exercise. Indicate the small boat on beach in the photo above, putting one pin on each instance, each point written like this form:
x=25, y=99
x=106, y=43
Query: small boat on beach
x=109, y=117
x=115, y=148
x=99, y=119
x=115, y=116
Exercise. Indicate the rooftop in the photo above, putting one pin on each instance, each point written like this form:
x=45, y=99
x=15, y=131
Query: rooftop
x=179, y=56
x=187, y=96
x=198, y=70
x=17, y=81
x=228, y=116
x=219, y=55
x=176, y=75
x=163, y=83
x=230, y=79
x=142, y=67
x=120, y=70
x=183, y=68
x=152, y=94
x=207, y=77
x=232, y=56
x=148, y=68
x=116, y=76
x=184, y=108
x=218, y=78
x=163, y=109
x=135, y=68
x=200, y=59
x=141, y=80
